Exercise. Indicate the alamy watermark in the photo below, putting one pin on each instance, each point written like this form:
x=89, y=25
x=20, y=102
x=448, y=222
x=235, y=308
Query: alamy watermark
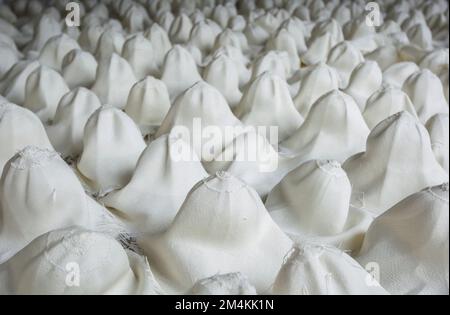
x=227, y=144
x=72, y=274
x=373, y=274
x=373, y=17
x=73, y=18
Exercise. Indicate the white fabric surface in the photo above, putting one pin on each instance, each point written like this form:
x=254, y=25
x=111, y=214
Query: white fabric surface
x=113, y=81
x=19, y=128
x=397, y=148
x=425, y=91
x=45, y=266
x=226, y=284
x=438, y=128
x=222, y=227
x=67, y=129
x=365, y=79
x=319, y=80
x=410, y=244
x=148, y=104
x=43, y=91
x=334, y=121
x=385, y=102
x=160, y=183
x=312, y=269
x=40, y=193
x=104, y=167
x=269, y=93
x=312, y=203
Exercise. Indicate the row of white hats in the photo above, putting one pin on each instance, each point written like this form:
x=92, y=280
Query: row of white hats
x=349, y=222
x=222, y=227
x=401, y=135
x=104, y=39
x=258, y=25
x=83, y=128
x=148, y=101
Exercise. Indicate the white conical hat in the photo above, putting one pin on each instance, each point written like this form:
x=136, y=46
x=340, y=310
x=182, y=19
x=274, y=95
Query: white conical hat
x=19, y=128
x=397, y=73
x=312, y=203
x=334, y=121
x=52, y=54
x=319, y=80
x=344, y=57
x=397, y=163
x=221, y=15
x=136, y=19
x=179, y=71
x=68, y=261
x=324, y=36
x=222, y=73
x=8, y=57
x=365, y=79
x=444, y=79
x=273, y=61
x=390, y=33
x=284, y=41
x=195, y=53
x=160, y=42
x=110, y=42
x=437, y=127
x=420, y=35
x=269, y=93
x=90, y=36
x=67, y=129
x=138, y=51
x=40, y=193
x=321, y=270
x=43, y=91
x=222, y=227
x=148, y=104
x=224, y=284
x=425, y=91
x=113, y=81
x=239, y=59
x=297, y=29
x=203, y=36
x=97, y=9
x=165, y=173
x=10, y=43
x=165, y=19
x=12, y=85
x=46, y=27
x=180, y=29
x=104, y=165
x=342, y=14
x=409, y=243
x=252, y=156
x=361, y=34
x=385, y=56
x=256, y=34
x=436, y=61
x=79, y=69
x=385, y=102
x=231, y=38
x=204, y=104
